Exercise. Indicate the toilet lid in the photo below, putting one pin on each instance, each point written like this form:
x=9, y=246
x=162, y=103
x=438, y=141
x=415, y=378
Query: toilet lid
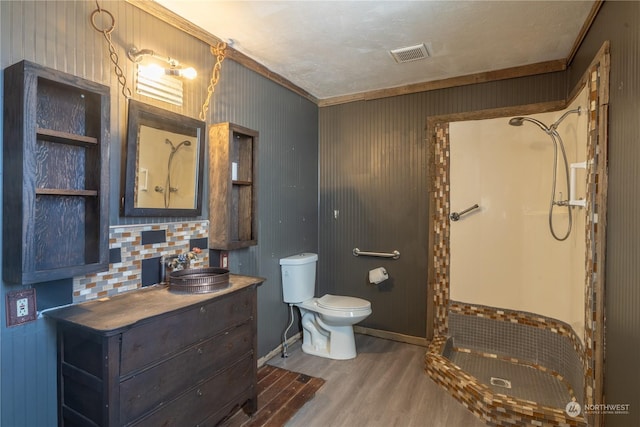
x=337, y=302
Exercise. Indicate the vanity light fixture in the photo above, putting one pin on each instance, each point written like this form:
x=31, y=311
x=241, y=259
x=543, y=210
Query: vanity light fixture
x=175, y=69
x=157, y=81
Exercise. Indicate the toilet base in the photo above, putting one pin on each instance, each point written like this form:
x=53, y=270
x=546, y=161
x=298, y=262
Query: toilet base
x=310, y=350
x=332, y=342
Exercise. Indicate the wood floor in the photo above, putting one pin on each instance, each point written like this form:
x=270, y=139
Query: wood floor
x=384, y=386
x=281, y=394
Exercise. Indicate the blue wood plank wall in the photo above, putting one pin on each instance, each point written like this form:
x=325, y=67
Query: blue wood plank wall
x=59, y=35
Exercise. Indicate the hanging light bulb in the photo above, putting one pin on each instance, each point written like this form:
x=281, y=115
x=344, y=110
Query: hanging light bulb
x=189, y=73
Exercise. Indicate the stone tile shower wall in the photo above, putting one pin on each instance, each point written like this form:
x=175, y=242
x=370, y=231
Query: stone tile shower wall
x=130, y=246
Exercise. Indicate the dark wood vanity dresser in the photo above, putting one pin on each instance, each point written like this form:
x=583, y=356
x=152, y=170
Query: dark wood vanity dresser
x=153, y=357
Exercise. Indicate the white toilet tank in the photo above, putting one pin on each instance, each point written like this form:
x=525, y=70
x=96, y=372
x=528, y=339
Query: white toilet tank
x=298, y=277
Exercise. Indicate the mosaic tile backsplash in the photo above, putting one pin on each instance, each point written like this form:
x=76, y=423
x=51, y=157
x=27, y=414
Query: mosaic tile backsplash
x=135, y=252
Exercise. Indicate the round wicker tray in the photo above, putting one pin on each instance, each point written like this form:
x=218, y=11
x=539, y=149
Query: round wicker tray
x=199, y=280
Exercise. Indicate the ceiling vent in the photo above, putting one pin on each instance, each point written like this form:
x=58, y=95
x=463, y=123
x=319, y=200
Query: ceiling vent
x=410, y=53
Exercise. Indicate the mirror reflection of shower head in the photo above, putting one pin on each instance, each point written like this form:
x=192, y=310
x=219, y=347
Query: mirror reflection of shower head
x=186, y=143
x=175, y=148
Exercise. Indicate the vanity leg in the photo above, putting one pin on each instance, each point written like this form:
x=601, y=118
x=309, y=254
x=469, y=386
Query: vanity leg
x=251, y=406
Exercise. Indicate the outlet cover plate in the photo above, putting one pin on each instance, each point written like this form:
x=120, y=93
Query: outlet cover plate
x=21, y=307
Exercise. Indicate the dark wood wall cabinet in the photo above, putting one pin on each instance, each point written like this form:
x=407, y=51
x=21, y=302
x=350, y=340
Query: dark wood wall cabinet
x=56, y=163
x=156, y=358
x=233, y=190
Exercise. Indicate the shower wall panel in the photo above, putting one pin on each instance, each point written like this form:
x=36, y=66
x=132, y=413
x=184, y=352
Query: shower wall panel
x=374, y=195
x=503, y=253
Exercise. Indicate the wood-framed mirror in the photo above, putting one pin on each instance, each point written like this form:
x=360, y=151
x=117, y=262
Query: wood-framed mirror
x=165, y=163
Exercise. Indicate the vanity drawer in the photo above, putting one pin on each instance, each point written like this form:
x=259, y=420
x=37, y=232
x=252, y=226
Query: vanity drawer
x=150, y=342
x=159, y=385
x=197, y=403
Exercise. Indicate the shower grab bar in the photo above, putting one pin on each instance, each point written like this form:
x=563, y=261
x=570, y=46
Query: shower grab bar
x=394, y=254
x=454, y=216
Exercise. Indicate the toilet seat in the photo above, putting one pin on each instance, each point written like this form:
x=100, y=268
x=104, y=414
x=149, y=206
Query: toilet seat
x=343, y=303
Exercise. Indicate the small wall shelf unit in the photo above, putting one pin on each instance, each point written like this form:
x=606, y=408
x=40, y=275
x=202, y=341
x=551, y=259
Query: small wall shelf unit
x=56, y=163
x=232, y=186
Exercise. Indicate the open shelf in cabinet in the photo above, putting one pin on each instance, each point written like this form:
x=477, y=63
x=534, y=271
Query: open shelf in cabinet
x=55, y=202
x=232, y=186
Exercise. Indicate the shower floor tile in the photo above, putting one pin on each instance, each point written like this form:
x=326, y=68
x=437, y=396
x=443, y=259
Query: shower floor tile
x=526, y=382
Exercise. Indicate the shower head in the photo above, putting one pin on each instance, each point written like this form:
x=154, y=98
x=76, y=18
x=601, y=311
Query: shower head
x=517, y=121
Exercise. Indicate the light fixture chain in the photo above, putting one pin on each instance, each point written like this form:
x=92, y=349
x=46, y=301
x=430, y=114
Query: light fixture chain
x=218, y=51
x=113, y=55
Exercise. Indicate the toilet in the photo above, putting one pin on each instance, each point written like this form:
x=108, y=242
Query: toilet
x=327, y=322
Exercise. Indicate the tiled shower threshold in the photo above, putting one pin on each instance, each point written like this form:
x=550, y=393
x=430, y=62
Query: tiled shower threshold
x=512, y=378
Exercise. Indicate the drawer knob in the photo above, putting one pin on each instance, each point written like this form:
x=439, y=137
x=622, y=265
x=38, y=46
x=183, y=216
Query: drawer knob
x=198, y=392
x=203, y=310
x=200, y=351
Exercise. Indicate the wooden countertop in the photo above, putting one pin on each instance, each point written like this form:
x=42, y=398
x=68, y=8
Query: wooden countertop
x=112, y=314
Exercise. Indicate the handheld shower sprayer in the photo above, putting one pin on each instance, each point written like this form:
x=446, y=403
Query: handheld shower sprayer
x=555, y=138
x=518, y=121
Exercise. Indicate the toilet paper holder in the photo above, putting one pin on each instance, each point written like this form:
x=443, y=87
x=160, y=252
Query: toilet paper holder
x=394, y=254
x=378, y=275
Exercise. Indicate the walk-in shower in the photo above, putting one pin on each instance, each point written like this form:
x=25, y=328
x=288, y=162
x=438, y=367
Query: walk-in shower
x=552, y=131
x=518, y=321
x=513, y=307
x=168, y=189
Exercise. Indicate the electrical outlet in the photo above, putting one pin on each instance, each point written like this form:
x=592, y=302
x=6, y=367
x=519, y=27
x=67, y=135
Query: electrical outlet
x=21, y=307
x=224, y=259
